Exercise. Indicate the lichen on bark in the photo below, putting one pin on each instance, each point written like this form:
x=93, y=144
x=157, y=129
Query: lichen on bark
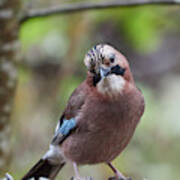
x=9, y=29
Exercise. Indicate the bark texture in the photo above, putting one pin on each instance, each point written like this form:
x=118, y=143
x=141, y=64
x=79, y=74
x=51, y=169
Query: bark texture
x=9, y=28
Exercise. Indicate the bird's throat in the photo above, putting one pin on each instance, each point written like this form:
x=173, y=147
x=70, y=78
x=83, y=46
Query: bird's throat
x=111, y=85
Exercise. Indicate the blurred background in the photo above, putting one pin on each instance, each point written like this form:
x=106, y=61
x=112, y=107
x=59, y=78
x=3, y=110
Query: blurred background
x=53, y=49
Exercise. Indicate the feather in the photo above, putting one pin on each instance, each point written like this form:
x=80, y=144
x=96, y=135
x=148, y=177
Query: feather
x=43, y=168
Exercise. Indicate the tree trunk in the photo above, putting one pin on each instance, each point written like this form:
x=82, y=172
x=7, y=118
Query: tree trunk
x=9, y=28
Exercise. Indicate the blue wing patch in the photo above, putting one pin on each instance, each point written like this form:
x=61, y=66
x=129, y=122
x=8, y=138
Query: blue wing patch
x=67, y=126
x=63, y=130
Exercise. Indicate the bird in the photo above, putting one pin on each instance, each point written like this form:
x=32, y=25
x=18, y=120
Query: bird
x=99, y=120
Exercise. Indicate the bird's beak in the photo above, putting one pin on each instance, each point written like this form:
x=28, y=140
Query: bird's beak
x=104, y=72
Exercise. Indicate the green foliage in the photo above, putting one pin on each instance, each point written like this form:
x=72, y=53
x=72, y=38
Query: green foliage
x=35, y=30
x=24, y=74
x=67, y=88
x=142, y=27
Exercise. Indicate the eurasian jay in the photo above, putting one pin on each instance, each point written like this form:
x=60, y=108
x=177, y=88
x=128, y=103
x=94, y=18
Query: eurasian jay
x=100, y=117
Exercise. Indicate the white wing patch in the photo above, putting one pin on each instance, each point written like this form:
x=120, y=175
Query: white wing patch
x=54, y=154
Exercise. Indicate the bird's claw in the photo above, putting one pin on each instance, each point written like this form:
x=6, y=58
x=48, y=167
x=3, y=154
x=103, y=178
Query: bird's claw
x=81, y=178
x=120, y=178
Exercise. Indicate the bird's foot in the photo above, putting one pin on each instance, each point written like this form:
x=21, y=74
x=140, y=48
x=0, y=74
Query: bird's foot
x=119, y=178
x=81, y=178
x=118, y=174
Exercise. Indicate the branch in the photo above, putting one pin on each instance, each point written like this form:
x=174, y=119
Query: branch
x=77, y=7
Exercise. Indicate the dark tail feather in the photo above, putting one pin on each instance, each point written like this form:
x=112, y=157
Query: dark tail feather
x=43, y=168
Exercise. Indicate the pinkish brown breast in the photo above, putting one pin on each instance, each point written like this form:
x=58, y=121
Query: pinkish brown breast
x=105, y=127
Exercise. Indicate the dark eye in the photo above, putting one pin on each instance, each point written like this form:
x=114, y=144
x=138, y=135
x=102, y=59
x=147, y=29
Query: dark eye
x=112, y=59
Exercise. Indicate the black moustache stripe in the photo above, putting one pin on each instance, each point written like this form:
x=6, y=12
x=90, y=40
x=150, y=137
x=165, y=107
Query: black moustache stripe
x=117, y=70
x=96, y=79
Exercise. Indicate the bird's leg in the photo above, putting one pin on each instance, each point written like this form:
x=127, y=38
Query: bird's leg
x=76, y=171
x=118, y=174
x=77, y=176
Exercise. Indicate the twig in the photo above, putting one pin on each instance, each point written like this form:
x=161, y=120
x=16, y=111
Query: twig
x=77, y=7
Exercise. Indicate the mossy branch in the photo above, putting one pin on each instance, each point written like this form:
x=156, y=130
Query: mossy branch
x=85, y=6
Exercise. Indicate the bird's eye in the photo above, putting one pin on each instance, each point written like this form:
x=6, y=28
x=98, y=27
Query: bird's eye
x=112, y=59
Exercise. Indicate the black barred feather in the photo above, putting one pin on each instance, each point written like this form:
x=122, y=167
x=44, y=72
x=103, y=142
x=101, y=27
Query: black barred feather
x=43, y=168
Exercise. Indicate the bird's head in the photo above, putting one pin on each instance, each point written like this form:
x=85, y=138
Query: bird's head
x=108, y=66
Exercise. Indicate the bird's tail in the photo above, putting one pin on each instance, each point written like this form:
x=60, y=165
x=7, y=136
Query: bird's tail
x=43, y=168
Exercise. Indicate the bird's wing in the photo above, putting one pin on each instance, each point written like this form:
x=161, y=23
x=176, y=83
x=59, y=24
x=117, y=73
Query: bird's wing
x=67, y=123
